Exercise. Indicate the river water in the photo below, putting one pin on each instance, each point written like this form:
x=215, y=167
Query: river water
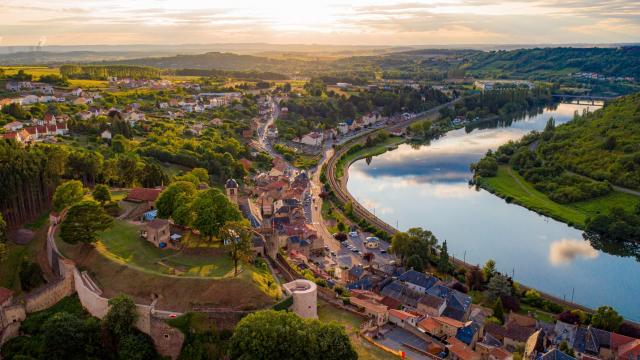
x=427, y=186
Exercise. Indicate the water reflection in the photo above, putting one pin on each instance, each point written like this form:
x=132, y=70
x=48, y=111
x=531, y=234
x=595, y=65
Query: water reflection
x=427, y=186
x=564, y=251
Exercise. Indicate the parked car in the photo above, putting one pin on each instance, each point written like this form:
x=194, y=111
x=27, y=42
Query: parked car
x=353, y=234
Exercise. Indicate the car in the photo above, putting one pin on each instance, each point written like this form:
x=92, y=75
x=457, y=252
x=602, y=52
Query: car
x=358, y=252
x=383, y=251
x=353, y=234
x=355, y=250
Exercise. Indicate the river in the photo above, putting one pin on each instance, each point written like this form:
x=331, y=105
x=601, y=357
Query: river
x=427, y=186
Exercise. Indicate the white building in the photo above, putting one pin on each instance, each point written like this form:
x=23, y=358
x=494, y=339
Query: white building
x=305, y=298
x=313, y=139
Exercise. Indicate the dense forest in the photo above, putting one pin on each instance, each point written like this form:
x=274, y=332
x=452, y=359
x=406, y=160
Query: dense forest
x=100, y=72
x=549, y=63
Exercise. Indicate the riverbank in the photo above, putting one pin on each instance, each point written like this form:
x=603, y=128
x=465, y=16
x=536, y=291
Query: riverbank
x=512, y=187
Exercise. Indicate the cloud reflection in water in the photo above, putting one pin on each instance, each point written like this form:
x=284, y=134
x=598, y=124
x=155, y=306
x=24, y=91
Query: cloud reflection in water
x=564, y=251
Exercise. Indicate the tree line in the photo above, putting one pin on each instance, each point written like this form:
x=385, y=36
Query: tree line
x=103, y=72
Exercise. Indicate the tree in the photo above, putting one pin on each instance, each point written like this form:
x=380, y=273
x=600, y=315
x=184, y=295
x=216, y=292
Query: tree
x=136, y=346
x=153, y=175
x=489, y=269
x=415, y=262
x=127, y=167
x=498, y=310
x=167, y=202
x=101, y=194
x=3, y=239
x=474, y=278
x=68, y=193
x=119, y=144
x=83, y=221
x=443, y=260
x=121, y=317
x=201, y=174
x=283, y=335
x=606, y=318
x=65, y=336
x=498, y=287
x=212, y=211
x=236, y=236
x=565, y=348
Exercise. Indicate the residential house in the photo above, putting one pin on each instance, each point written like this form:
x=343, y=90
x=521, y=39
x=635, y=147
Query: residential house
x=76, y=92
x=247, y=133
x=469, y=333
x=216, y=122
x=13, y=126
x=458, y=304
x=555, y=354
x=441, y=326
x=158, y=232
x=343, y=128
x=144, y=196
x=431, y=305
x=516, y=335
x=356, y=273
x=418, y=281
x=313, y=138
x=402, y=293
x=592, y=341
x=106, y=134
x=368, y=303
x=629, y=351
x=460, y=351
x=403, y=318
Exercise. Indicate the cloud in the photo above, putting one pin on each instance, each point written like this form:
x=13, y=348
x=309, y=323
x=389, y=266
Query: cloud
x=564, y=251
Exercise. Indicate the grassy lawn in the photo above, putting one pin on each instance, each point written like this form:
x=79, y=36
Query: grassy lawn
x=201, y=274
x=508, y=183
x=372, y=151
x=351, y=323
x=537, y=313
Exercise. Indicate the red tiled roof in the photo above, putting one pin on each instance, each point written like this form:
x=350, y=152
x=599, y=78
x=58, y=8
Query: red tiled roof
x=390, y=302
x=627, y=350
x=5, y=294
x=462, y=351
x=429, y=325
x=143, y=194
x=402, y=315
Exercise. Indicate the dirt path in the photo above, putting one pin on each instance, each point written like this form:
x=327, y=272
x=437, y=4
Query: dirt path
x=515, y=178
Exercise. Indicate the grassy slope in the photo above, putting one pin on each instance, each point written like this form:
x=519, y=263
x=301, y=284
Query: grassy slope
x=351, y=322
x=10, y=266
x=508, y=183
x=371, y=151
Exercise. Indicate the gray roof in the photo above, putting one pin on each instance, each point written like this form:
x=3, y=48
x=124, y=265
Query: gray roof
x=418, y=278
x=432, y=301
x=231, y=184
x=556, y=354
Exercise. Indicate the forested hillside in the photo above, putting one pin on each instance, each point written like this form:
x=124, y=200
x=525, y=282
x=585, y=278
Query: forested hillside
x=554, y=62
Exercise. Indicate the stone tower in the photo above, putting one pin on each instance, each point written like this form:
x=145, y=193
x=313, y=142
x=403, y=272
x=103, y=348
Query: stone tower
x=231, y=187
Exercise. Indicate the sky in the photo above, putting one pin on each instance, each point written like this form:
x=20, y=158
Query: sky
x=353, y=22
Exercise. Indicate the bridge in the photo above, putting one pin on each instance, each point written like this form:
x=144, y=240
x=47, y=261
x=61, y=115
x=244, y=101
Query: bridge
x=585, y=98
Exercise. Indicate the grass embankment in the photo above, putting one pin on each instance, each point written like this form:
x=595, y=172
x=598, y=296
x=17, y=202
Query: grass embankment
x=509, y=185
x=375, y=150
x=201, y=273
x=351, y=323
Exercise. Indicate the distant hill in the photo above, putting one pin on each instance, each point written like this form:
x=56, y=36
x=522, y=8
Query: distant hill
x=549, y=63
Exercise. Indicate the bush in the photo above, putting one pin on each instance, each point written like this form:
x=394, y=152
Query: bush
x=30, y=276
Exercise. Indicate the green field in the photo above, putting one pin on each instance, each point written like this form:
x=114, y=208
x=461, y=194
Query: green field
x=351, y=323
x=378, y=149
x=509, y=184
x=99, y=84
x=122, y=244
x=36, y=71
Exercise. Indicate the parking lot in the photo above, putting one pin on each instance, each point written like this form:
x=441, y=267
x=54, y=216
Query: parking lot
x=356, y=247
x=394, y=337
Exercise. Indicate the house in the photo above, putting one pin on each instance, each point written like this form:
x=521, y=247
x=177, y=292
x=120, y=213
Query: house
x=417, y=281
x=257, y=246
x=247, y=133
x=313, y=138
x=158, y=232
x=402, y=318
x=356, y=273
x=469, y=333
x=343, y=128
x=555, y=354
x=76, y=92
x=146, y=197
x=516, y=335
x=629, y=351
x=431, y=305
x=402, y=293
x=13, y=126
x=592, y=341
x=458, y=304
x=106, y=134
x=440, y=326
x=460, y=351
x=216, y=122
x=373, y=309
